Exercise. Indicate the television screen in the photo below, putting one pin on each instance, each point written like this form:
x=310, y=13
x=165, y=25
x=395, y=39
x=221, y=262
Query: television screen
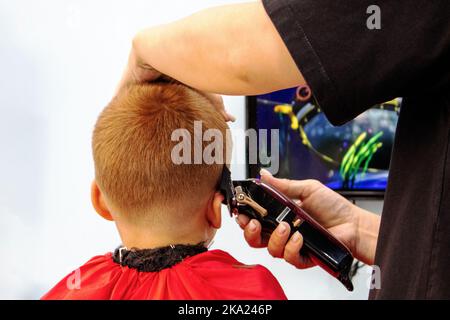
x=352, y=159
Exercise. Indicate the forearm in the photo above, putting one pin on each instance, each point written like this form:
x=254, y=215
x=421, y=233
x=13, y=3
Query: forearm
x=233, y=49
x=368, y=227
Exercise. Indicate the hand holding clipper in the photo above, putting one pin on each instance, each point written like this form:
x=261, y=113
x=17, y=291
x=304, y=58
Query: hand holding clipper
x=270, y=207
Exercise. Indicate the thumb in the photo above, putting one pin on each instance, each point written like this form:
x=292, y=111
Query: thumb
x=145, y=73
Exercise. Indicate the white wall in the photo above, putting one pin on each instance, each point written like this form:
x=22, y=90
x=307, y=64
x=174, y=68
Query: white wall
x=59, y=64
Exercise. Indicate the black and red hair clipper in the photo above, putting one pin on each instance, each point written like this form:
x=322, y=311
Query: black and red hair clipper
x=264, y=203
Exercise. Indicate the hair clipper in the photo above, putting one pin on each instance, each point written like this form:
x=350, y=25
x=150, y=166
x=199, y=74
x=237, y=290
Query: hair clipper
x=270, y=207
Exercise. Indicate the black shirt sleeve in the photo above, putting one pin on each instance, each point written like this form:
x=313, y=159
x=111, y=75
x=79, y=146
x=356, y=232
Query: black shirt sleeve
x=351, y=67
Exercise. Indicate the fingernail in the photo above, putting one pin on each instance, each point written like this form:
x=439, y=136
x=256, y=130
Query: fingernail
x=281, y=229
x=242, y=220
x=252, y=226
x=264, y=172
x=295, y=237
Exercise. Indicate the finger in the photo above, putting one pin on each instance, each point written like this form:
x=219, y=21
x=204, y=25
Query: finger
x=230, y=117
x=278, y=240
x=242, y=220
x=252, y=234
x=146, y=75
x=292, y=252
x=214, y=97
x=298, y=202
x=297, y=189
x=217, y=101
x=142, y=72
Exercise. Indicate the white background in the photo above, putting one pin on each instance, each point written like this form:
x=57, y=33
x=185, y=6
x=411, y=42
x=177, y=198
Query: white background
x=59, y=64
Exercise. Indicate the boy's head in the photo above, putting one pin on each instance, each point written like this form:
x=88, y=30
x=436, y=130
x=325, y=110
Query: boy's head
x=137, y=180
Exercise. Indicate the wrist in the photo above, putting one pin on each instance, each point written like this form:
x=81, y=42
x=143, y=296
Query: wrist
x=367, y=225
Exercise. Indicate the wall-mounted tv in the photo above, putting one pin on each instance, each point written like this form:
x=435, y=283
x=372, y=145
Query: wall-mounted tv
x=352, y=159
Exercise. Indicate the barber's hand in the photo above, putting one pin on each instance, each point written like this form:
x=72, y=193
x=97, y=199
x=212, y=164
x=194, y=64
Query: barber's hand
x=138, y=71
x=327, y=207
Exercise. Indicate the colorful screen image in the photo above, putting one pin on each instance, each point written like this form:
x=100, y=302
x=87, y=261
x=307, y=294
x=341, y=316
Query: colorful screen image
x=352, y=157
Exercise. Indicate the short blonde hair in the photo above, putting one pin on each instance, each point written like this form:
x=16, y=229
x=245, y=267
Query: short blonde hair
x=132, y=148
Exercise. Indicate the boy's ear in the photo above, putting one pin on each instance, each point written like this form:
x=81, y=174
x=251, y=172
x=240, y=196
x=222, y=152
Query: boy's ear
x=98, y=201
x=214, y=212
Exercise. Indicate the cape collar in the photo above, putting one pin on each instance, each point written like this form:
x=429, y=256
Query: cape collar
x=157, y=259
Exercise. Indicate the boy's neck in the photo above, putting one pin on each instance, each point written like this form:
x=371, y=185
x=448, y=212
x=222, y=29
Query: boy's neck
x=146, y=239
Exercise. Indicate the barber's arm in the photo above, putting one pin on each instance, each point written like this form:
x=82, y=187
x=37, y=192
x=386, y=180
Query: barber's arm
x=232, y=49
x=355, y=227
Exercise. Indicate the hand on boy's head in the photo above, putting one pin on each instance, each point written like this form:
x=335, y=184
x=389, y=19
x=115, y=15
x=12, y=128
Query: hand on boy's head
x=138, y=72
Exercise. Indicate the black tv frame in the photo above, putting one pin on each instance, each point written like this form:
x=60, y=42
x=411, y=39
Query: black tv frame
x=253, y=169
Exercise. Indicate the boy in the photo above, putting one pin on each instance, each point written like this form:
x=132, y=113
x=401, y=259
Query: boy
x=166, y=212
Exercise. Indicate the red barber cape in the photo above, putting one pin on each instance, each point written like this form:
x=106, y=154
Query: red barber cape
x=210, y=275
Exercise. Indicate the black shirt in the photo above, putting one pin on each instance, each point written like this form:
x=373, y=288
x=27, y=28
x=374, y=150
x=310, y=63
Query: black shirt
x=350, y=68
